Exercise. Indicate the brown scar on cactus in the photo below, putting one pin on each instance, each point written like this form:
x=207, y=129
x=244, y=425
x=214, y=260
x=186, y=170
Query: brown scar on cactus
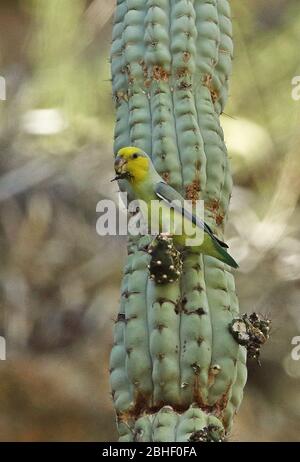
x=220, y=405
x=145, y=69
x=127, y=71
x=166, y=176
x=141, y=404
x=197, y=395
x=207, y=82
x=200, y=340
x=182, y=72
x=186, y=56
x=192, y=190
x=218, y=213
x=213, y=205
x=197, y=163
x=159, y=73
x=219, y=219
x=214, y=95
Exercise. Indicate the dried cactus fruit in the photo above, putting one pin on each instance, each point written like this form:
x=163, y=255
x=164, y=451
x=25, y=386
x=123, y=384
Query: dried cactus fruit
x=239, y=330
x=209, y=434
x=251, y=331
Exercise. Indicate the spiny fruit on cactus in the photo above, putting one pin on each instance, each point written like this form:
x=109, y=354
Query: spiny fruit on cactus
x=175, y=368
x=165, y=265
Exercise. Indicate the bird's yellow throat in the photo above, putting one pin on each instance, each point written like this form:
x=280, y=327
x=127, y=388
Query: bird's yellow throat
x=138, y=168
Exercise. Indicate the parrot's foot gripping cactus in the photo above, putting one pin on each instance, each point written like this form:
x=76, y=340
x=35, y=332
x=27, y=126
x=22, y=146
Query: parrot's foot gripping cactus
x=165, y=265
x=177, y=372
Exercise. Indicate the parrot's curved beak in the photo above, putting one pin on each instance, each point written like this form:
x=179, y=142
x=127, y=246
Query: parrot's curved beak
x=120, y=168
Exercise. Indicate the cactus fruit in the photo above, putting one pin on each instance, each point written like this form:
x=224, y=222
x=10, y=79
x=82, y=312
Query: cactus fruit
x=165, y=264
x=177, y=373
x=252, y=332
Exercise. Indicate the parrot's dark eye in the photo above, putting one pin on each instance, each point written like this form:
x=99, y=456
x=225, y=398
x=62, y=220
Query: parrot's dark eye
x=135, y=155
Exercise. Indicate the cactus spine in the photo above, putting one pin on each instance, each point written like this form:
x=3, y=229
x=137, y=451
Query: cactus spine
x=177, y=373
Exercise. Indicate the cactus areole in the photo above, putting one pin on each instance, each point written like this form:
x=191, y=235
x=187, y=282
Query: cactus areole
x=177, y=371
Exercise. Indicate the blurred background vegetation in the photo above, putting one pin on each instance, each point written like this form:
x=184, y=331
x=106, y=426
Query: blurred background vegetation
x=60, y=281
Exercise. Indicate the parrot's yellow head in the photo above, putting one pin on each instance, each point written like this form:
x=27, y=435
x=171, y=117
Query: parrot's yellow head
x=132, y=164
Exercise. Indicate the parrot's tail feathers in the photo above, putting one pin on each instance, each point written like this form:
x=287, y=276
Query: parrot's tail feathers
x=222, y=244
x=231, y=261
x=226, y=258
x=221, y=254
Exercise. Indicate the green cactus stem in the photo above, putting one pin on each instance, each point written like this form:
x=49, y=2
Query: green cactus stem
x=177, y=372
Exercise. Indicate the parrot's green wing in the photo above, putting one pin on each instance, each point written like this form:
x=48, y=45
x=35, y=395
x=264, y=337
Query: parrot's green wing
x=172, y=198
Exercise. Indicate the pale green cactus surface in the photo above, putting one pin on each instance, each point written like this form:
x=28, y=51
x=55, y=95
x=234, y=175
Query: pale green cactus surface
x=175, y=368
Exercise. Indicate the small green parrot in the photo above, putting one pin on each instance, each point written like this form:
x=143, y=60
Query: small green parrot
x=135, y=166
